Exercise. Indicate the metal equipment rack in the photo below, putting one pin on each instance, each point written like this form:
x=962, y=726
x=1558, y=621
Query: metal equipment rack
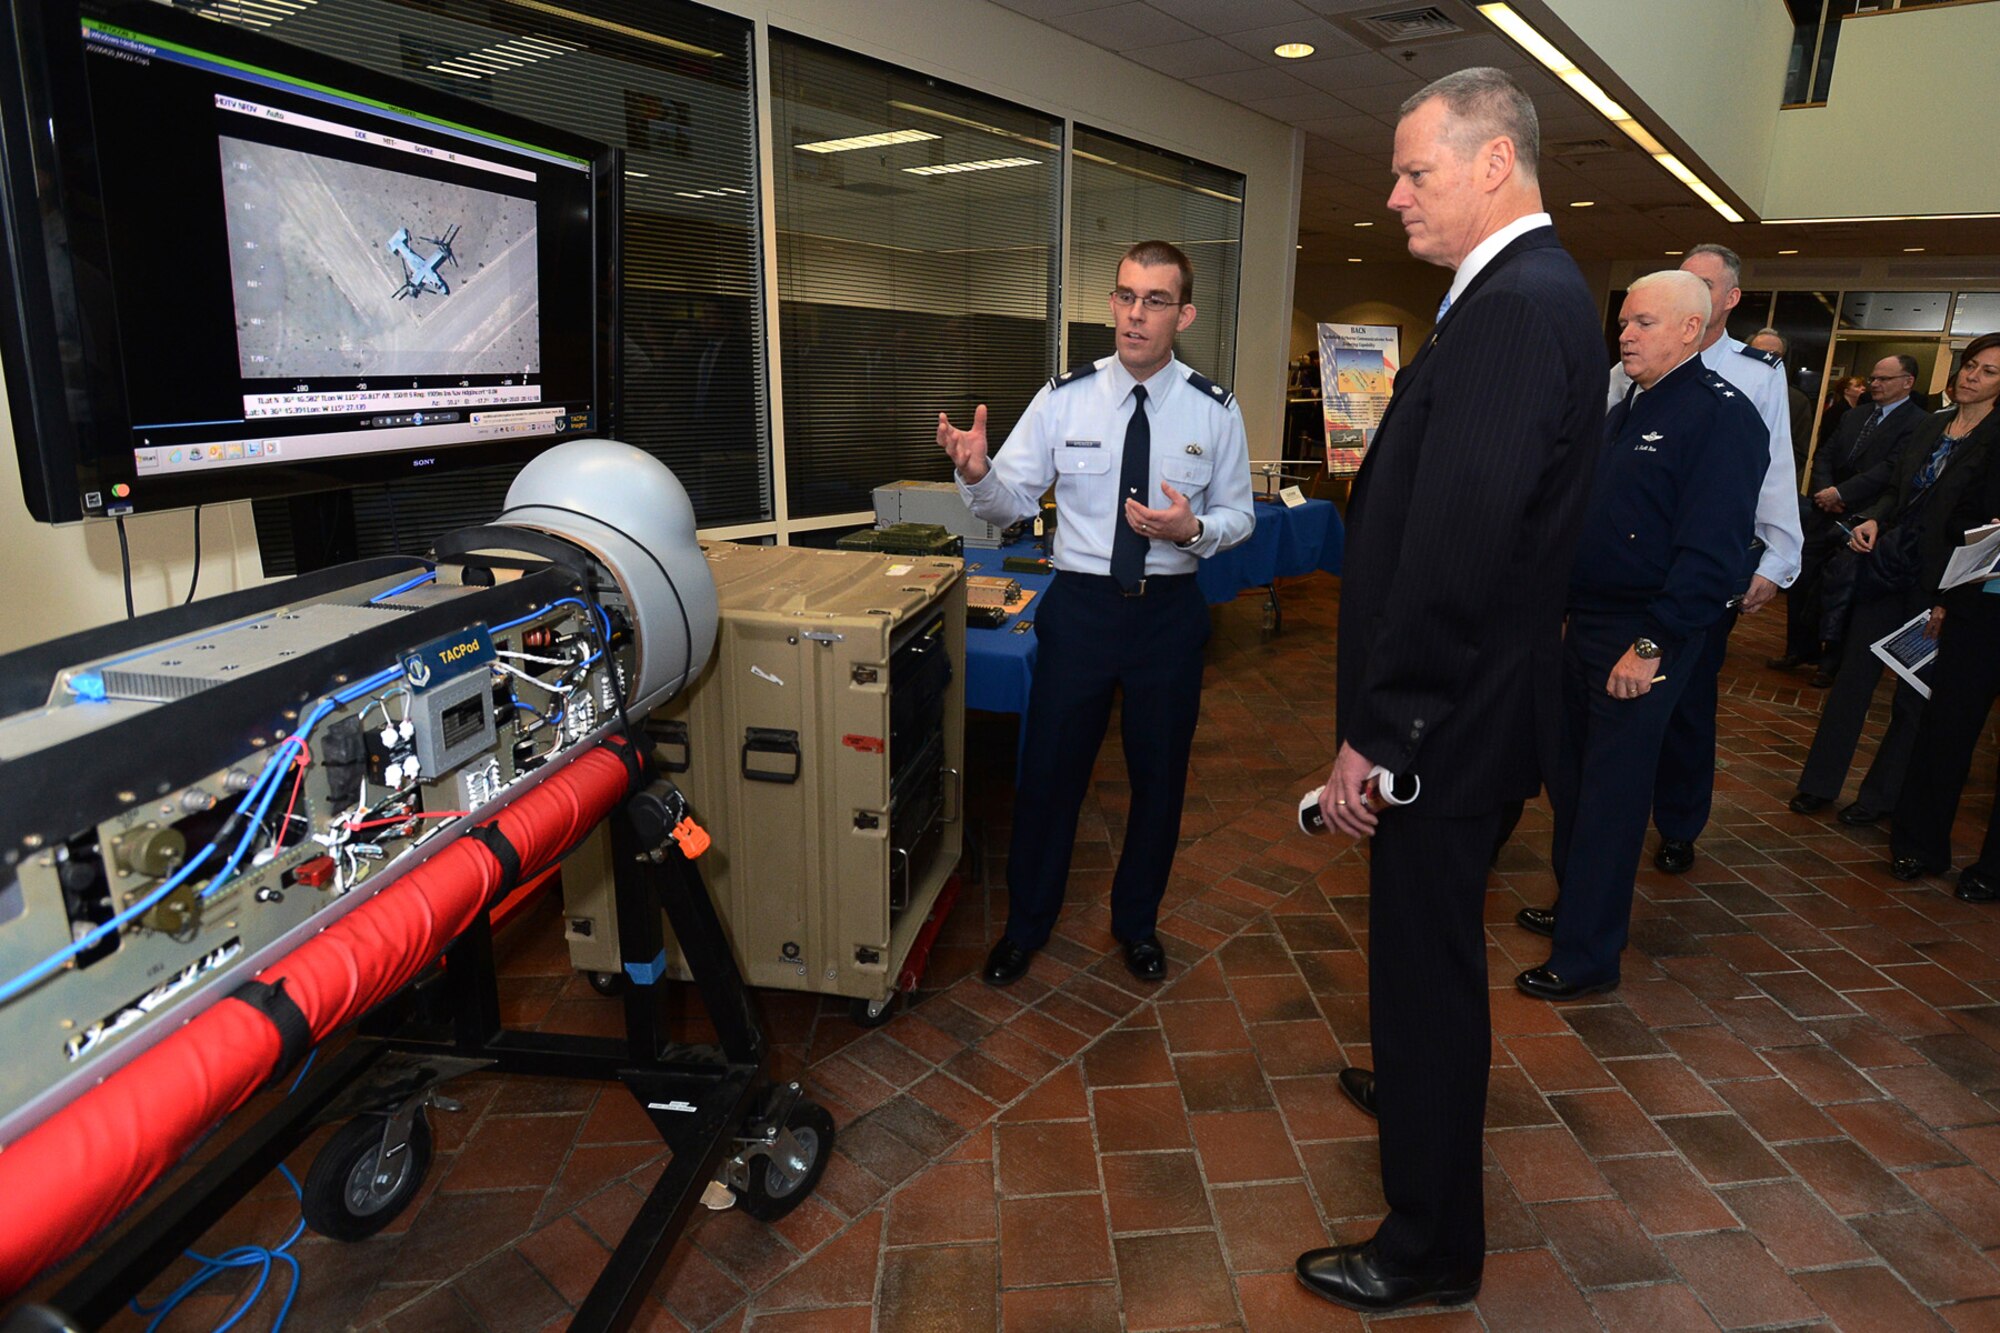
x=718, y=1113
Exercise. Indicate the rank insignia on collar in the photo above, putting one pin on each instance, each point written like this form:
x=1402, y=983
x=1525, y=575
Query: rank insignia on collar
x=1194, y=449
x=1651, y=436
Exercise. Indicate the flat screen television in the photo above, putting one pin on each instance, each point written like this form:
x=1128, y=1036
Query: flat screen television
x=236, y=268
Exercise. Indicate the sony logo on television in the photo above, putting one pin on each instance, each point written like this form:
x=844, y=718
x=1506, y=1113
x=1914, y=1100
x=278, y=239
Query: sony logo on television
x=422, y=462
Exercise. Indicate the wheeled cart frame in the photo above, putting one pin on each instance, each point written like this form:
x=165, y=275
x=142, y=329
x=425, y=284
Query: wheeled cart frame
x=728, y=1127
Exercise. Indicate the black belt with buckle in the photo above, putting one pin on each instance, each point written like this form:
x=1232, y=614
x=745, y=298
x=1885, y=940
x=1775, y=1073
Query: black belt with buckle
x=1164, y=581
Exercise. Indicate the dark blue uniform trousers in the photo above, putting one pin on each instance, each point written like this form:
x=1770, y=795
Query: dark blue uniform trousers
x=1093, y=641
x=1684, y=786
x=1603, y=788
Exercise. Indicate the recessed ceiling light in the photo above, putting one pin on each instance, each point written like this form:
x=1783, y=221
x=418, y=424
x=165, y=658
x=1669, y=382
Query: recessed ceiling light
x=1352, y=260
x=1676, y=252
x=1292, y=50
x=1913, y=249
x=1364, y=224
x=1583, y=203
x=1298, y=247
x=1787, y=252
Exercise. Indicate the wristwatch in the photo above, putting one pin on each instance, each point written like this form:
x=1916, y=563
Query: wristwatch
x=1199, y=529
x=1645, y=650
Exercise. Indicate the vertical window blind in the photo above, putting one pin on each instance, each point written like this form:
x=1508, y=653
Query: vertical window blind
x=1124, y=192
x=917, y=241
x=672, y=84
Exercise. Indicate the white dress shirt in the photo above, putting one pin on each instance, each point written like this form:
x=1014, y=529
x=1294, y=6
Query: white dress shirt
x=1482, y=253
x=1073, y=434
x=1778, y=501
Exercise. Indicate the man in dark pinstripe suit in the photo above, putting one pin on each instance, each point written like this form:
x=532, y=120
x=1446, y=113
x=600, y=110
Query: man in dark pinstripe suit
x=1460, y=532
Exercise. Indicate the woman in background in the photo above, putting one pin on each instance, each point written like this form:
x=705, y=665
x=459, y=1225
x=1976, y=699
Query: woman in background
x=1964, y=679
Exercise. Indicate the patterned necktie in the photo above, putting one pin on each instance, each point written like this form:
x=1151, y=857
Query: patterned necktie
x=1867, y=429
x=1135, y=482
x=1443, y=306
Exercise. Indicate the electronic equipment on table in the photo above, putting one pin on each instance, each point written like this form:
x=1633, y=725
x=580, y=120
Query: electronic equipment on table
x=937, y=502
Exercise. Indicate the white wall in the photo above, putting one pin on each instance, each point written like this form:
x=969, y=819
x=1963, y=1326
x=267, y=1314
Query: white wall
x=66, y=579
x=1713, y=70
x=1905, y=128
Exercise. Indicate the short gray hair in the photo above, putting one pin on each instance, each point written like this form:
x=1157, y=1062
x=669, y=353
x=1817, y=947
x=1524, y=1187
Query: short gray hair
x=1784, y=343
x=1730, y=259
x=1488, y=105
x=1686, y=294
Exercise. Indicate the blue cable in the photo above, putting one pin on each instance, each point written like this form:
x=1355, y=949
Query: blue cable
x=418, y=581
x=242, y=1256
x=97, y=933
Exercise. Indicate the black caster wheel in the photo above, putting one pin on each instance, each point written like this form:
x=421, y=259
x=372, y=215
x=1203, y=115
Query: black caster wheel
x=349, y=1193
x=776, y=1186
x=872, y=1013
x=608, y=984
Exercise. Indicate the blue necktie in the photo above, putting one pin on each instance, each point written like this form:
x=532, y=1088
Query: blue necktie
x=1443, y=306
x=1135, y=482
x=1867, y=429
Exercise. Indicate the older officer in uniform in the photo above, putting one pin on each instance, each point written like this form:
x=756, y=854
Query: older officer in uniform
x=1684, y=788
x=1662, y=550
x=1151, y=473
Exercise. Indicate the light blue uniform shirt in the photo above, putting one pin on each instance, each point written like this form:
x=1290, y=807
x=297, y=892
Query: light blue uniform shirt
x=1073, y=434
x=1778, y=500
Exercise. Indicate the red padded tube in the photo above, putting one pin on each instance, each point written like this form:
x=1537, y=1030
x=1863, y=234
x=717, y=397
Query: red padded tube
x=68, y=1177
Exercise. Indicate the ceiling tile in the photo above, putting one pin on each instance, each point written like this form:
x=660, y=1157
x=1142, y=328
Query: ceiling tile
x=1250, y=83
x=1351, y=131
x=1202, y=55
x=1299, y=108
x=1384, y=99
x=1046, y=10
x=1125, y=27
x=1235, y=15
x=1338, y=73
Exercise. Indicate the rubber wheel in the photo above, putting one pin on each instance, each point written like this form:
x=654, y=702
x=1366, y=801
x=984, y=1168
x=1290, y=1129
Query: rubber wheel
x=346, y=1197
x=872, y=1013
x=774, y=1189
x=608, y=984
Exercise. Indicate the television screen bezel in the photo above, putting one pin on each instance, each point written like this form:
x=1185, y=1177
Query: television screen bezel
x=46, y=123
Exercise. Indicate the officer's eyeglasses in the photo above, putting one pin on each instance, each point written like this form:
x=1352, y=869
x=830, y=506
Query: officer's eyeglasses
x=1152, y=303
x=1885, y=379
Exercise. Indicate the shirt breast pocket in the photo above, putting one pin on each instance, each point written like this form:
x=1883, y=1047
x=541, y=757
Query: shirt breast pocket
x=1189, y=475
x=1082, y=462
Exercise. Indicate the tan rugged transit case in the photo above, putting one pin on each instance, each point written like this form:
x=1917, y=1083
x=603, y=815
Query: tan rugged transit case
x=823, y=751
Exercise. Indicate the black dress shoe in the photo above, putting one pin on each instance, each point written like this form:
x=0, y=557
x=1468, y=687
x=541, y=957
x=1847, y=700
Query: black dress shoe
x=1007, y=964
x=1822, y=679
x=1789, y=662
x=1546, y=985
x=1359, y=1085
x=1807, y=804
x=1352, y=1276
x=1973, y=887
x=1676, y=856
x=1537, y=921
x=1145, y=959
x=1910, y=867
x=1860, y=816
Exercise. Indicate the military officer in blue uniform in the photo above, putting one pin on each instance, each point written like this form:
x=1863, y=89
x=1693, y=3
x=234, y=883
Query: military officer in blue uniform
x=1151, y=473
x=1662, y=551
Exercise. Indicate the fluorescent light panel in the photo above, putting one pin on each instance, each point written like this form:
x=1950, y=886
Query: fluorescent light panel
x=988, y=164
x=1503, y=17
x=858, y=141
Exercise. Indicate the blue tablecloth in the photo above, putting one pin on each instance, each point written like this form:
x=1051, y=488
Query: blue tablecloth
x=1000, y=664
x=1287, y=542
